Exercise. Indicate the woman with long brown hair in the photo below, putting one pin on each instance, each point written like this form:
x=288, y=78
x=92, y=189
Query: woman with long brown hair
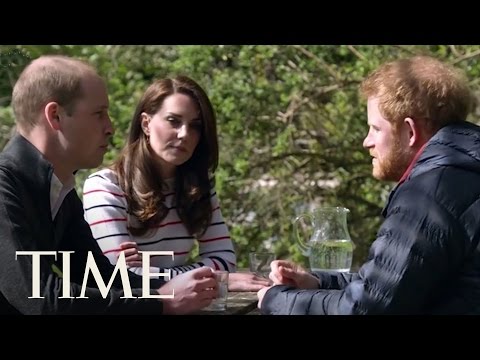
x=160, y=194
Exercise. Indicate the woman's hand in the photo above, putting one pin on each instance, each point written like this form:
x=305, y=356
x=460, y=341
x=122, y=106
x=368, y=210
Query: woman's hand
x=132, y=257
x=246, y=282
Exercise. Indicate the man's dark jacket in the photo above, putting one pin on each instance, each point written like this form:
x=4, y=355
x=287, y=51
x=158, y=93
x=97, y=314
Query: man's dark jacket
x=426, y=258
x=26, y=225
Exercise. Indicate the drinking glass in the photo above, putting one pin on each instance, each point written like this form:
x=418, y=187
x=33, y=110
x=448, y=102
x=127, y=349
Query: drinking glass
x=260, y=263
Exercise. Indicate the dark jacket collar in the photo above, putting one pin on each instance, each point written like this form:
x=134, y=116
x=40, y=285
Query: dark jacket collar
x=455, y=145
x=29, y=165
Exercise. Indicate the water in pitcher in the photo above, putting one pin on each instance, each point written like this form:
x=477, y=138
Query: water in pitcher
x=331, y=255
x=329, y=247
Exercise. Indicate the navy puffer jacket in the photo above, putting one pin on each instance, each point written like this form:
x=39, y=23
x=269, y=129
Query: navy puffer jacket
x=426, y=258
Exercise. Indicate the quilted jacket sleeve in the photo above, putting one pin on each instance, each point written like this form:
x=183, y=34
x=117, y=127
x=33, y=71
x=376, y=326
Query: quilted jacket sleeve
x=415, y=250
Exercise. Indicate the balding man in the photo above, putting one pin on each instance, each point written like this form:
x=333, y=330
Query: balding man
x=61, y=111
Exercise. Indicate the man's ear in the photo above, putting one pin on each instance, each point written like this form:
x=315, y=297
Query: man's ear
x=52, y=115
x=414, y=133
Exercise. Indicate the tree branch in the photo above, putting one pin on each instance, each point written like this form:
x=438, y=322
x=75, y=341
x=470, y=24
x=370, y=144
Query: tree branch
x=356, y=52
x=466, y=56
x=319, y=61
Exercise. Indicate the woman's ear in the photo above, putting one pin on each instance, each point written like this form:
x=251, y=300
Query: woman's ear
x=145, y=123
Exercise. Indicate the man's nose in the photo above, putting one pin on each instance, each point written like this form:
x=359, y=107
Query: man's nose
x=367, y=142
x=109, y=130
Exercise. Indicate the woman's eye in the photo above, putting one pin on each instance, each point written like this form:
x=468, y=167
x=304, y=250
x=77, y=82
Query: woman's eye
x=172, y=120
x=196, y=126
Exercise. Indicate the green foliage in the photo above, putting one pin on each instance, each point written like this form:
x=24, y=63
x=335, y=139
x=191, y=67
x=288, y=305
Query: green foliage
x=290, y=122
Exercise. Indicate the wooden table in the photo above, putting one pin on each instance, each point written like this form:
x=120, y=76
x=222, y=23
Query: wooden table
x=238, y=303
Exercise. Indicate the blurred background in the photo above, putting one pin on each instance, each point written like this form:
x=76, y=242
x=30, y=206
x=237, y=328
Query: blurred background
x=290, y=124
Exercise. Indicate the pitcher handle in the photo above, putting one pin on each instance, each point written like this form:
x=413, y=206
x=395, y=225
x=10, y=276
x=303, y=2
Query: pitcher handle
x=300, y=239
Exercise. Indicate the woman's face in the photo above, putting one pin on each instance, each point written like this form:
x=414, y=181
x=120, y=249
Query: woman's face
x=174, y=132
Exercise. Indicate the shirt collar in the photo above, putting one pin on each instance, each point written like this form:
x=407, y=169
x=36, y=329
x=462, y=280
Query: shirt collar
x=404, y=177
x=58, y=191
x=412, y=163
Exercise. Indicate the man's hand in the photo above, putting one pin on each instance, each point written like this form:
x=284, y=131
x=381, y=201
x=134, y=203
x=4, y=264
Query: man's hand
x=194, y=290
x=261, y=293
x=288, y=273
x=246, y=282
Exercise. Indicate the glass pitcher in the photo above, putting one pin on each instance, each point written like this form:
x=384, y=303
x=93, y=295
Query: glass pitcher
x=330, y=246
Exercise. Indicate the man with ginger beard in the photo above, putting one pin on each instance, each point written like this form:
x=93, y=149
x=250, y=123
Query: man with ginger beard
x=426, y=258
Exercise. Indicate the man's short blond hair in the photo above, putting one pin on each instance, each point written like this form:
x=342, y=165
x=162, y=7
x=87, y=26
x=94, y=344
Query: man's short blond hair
x=50, y=78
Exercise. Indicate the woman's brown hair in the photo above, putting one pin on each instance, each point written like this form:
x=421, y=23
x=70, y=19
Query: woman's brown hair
x=139, y=179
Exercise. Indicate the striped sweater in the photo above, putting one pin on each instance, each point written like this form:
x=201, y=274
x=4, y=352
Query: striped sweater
x=106, y=212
